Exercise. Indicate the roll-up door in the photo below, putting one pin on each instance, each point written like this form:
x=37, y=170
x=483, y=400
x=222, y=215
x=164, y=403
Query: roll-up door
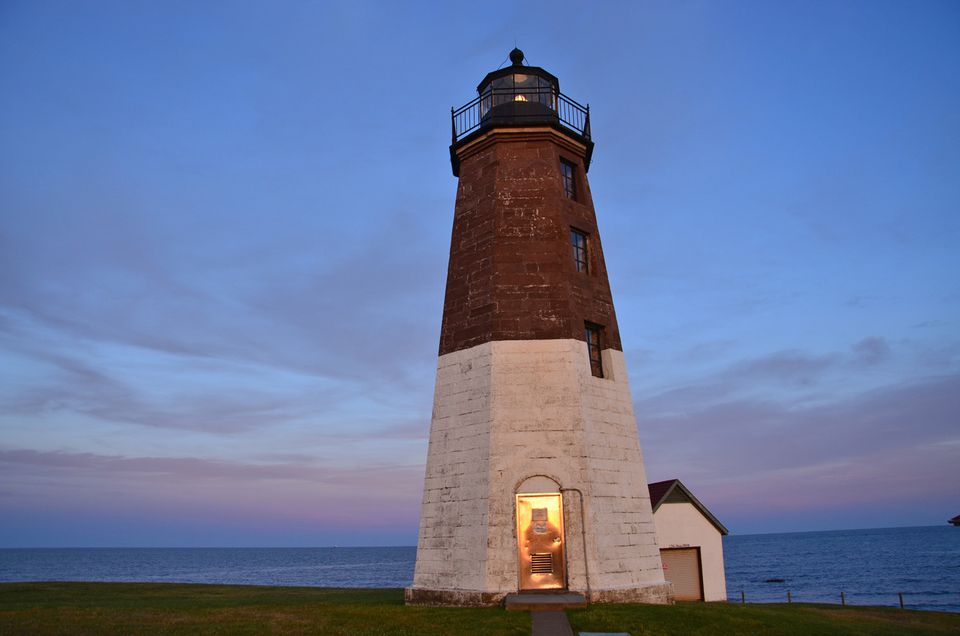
x=681, y=566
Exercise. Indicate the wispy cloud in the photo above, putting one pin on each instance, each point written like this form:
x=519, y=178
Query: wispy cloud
x=191, y=469
x=749, y=451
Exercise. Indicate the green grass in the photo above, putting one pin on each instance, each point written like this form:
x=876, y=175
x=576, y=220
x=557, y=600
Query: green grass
x=149, y=608
x=796, y=619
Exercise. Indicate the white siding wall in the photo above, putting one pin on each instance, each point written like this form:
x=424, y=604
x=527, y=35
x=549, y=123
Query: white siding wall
x=681, y=525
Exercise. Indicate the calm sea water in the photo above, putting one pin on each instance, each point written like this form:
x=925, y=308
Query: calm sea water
x=869, y=566
x=323, y=567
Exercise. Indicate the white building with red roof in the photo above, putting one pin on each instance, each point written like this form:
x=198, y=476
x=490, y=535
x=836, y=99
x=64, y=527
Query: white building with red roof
x=691, y=543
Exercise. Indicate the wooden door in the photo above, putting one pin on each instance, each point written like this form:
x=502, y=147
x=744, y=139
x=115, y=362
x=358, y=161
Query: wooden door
x=681, y=566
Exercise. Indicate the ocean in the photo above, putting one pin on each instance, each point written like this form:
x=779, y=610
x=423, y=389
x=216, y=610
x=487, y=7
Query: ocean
x=869, y=566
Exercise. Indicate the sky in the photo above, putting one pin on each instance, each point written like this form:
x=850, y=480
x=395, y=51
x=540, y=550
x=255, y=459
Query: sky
x=224, y=229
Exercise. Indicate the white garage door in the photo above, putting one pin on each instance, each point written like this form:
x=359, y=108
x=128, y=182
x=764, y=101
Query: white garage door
x=681, y=566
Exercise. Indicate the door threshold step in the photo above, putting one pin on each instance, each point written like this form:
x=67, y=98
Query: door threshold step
x=533, y=601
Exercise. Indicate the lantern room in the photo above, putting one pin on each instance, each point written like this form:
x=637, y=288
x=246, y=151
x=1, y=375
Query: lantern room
x=519, y=96
x=519, y=92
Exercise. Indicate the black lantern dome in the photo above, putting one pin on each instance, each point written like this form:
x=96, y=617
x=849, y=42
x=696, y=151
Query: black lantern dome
x=517, y=96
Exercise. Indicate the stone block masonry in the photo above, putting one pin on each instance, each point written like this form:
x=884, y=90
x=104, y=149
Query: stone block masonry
x=509, y=410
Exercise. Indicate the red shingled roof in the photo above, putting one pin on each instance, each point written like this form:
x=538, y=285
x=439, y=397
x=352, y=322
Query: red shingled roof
x=660, y=490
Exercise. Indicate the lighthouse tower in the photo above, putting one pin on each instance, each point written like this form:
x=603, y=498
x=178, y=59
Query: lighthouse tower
x=534, y=477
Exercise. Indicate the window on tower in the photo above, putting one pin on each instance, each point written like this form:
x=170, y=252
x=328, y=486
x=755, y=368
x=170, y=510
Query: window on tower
x=580, y=257
x=594, y=335
x=569, y=173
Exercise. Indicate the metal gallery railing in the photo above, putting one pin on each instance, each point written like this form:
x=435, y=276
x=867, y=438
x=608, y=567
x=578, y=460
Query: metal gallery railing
x=533, y=104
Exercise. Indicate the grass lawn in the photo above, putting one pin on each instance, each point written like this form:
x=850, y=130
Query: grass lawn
x=164, y=608
x=152, y=608
x=796, y=619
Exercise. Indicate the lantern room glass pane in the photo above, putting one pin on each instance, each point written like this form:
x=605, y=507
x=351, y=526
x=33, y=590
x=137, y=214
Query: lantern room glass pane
x=521, y=87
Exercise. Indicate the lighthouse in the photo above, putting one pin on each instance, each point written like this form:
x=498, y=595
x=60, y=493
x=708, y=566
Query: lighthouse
x=534, y=478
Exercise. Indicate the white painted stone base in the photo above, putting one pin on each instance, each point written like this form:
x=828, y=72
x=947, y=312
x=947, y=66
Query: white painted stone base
x=507, y=411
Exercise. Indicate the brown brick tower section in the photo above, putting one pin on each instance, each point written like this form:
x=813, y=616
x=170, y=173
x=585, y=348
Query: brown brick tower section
x=512, y=272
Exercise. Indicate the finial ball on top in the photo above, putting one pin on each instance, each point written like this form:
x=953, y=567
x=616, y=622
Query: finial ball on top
x=516, y=56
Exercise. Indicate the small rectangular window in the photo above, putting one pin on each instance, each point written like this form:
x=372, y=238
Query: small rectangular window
x=580, y=258
x=569, y=173
x=594, y=335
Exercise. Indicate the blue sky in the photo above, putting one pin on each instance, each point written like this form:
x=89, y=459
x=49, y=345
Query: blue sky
x=224, y=230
